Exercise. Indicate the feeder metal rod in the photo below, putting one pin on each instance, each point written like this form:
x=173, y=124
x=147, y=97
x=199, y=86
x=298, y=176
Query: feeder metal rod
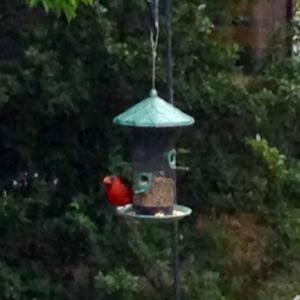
x=176, y=262
x=170, y=49
x=171, y=99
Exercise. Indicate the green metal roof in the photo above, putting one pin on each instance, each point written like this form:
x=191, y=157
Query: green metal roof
x=154, y=112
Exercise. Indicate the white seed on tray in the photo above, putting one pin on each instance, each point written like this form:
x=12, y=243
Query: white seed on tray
x=159, y=215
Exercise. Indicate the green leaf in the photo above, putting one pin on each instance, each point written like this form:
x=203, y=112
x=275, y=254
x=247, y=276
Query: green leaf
x=68, y=7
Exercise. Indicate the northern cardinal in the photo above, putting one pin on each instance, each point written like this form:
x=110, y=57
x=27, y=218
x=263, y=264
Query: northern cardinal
x=118, y=194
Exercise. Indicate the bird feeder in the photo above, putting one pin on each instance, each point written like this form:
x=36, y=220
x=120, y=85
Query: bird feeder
x=154, y=127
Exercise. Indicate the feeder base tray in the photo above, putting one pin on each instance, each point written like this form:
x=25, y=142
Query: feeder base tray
x=179, y=212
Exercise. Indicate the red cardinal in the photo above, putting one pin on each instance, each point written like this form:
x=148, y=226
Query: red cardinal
x=118, y=194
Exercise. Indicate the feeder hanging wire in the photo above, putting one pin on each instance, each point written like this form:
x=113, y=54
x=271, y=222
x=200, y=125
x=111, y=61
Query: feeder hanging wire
x=154, y=37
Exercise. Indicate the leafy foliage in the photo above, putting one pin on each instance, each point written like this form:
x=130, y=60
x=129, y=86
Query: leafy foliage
x=69, y=7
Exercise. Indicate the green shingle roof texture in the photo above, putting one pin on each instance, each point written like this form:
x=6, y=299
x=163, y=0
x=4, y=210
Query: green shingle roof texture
x=154, y=112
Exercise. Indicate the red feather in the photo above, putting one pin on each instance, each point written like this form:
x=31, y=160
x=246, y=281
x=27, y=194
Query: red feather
x=118, y=194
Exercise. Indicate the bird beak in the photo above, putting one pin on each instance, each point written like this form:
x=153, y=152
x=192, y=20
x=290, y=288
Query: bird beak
x=107, y=180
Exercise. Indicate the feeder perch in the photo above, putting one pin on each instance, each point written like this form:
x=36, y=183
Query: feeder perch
x=154, y=126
